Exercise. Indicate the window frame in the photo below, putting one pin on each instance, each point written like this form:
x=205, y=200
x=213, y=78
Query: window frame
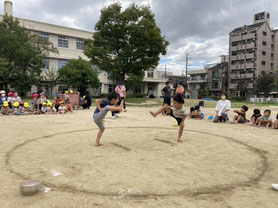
x=63, y=41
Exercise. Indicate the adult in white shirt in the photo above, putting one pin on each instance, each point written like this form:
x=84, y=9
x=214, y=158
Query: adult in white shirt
x=222, y=109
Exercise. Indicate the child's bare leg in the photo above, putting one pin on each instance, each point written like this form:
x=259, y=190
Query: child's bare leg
x=234, y=119
x=275, y=126
x=162, y=109
x=180, y=132
x=269, y=124
x=98, y=138
x=238, y=119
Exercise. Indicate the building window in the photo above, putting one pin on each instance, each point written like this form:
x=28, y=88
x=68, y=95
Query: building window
x=203, y=76
x=264, y=53
x=215, y=74
x=45, y=64
x=193, y=86
x=150, y=73
x=63, y=41
x=110, y=88
x=215, y=85
x=264, y=43
x=264, y=33
x=193, y=77
x=263, y=62
x=44, y=35
x=80, y=44
x=62, y=62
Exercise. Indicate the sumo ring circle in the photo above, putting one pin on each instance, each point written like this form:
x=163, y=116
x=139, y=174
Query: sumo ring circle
x=217, y=189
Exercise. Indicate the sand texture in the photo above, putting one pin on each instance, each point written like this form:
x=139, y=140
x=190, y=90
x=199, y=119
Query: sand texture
x=141, y=164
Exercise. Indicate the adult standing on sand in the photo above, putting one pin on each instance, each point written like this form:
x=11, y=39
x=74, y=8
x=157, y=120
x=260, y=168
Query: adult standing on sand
x=121, y=90
x=180, y=90
x=166, y=92
x=222, y=109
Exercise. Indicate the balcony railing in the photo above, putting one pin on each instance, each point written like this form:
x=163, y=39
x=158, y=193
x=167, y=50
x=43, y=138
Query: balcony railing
x=241, y=76
x=235, y=38
x=248, y=36
x=250, y=55
x=250, y=46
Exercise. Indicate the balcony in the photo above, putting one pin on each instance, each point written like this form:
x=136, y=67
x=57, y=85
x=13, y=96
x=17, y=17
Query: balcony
x=250, y=85
x=237, y=66
x=235, y=38
x=237, y=57
x=249, y=36
x=192, y=81
x=235, y=48
x=250, y=55
x=249, y=65
x=233, y=67
x=250, y=46
x=241, y=76
x=232, y=86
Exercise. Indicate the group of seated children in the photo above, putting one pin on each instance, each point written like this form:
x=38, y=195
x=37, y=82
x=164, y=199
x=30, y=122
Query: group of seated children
x=196, y=112
x=256, y=119
x=39, y=106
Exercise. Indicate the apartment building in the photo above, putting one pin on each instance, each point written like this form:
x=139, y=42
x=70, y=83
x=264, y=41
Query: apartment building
x=253, y=52
x=218, y=77
x=197, y=80
x=70, y=44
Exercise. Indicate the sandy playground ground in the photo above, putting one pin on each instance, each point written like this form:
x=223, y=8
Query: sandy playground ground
x=140, y=165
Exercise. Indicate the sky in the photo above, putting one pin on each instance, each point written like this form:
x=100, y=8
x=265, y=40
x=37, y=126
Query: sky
x=197, y=27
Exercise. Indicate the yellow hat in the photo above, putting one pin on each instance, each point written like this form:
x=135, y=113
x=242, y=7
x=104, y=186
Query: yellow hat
x=26, y=105
x=67, y=92
x=16, y=104
x=44, y=104
x=49, y=104
x=5, y=104
x=84, y=97
x=71, y=92
x=62, y=102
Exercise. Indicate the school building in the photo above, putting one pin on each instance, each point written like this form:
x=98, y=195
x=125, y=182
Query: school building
x=70, y=44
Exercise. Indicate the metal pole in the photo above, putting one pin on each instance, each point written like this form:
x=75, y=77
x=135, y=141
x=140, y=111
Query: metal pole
x=165, y=72
x=186, y=66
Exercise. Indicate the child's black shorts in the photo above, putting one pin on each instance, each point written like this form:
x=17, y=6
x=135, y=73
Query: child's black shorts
x=179, y=120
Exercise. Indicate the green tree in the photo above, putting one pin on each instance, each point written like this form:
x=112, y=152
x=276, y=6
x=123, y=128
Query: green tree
x=264, y=84
x=202, y=91
x=79, y=74
x=51, y=78
x=126, y=42
x=241, y=87
x=134, y=82
x=3, y=71
x=24, y=52
x=275, y=82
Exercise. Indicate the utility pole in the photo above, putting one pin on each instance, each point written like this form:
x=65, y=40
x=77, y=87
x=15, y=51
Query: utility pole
x=165, y=72
x=186, y=67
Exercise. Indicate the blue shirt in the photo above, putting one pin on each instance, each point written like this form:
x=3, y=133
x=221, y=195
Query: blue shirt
x=102, y=105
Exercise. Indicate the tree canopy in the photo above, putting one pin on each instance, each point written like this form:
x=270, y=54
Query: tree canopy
x=126, y=41
x=79, y=74
x=24, y=53
x=264, y=84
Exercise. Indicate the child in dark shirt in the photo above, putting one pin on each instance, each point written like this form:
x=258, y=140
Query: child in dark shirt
x=103, y=106
x=192, y=113
x=254, y=118
x=241, y=115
